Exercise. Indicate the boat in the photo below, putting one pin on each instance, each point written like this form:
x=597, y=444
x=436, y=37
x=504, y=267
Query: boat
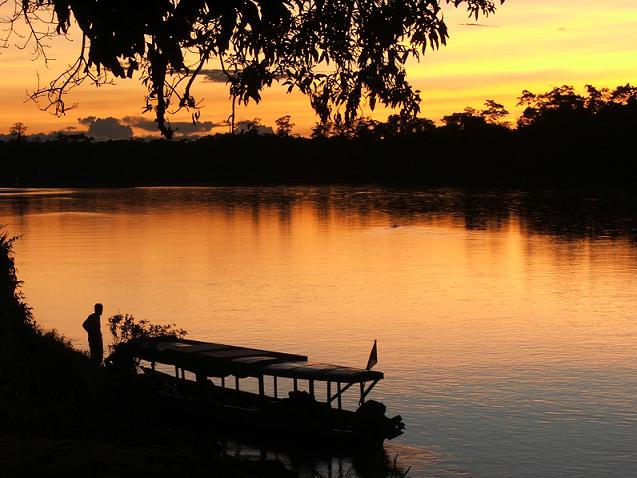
x=208, y=379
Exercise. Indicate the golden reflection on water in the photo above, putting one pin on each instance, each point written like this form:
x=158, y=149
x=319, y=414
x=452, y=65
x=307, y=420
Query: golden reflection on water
x=502, y=338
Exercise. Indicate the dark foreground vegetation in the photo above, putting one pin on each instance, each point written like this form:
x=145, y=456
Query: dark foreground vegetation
x=563, y=139
x=62, y=416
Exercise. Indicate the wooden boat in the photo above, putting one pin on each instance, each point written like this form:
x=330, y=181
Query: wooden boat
x=208, y=378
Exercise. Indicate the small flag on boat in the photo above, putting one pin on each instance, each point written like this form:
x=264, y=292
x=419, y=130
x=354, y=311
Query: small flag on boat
x=373, y=357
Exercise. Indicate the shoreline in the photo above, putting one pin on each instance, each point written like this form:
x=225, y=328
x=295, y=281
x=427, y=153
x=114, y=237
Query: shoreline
x=501, y=160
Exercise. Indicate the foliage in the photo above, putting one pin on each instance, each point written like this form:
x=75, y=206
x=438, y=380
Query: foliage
x=404, y=125
x=284, y=125
x=471, y=119
x=563, y=106
x=466, y=120
x=250, y=127
x=125, y=328
x=361, y=127
x=19, y=315
x=18, y=130
x=494, y=113
x=338, y=52
x=397, y=125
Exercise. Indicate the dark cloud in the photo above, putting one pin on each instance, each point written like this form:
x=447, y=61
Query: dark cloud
x=213, y=75
x=181, y=127
x=248, y=126
x=478, y=25
x=106, y=128
x=217, y=75
x=116, y=128
x=89, y=120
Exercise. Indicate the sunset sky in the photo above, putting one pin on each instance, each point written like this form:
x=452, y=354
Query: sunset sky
x=527, y=44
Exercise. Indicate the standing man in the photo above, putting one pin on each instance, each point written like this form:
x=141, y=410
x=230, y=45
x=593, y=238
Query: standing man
x=93, y=327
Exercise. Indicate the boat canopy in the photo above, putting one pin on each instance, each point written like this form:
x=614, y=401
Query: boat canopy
x=219, y=360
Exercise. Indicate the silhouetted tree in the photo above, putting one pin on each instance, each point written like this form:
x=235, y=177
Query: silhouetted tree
x=18, y=130
x=561, y=105
x=362, y=128
x=469, y=119
x=338, y=52
x=357, y=128
x=624, y=95
x=322, y=130
x=253, y=126
x=494, y=113
x=405, y=125
x=284, y=126
x=72, y=137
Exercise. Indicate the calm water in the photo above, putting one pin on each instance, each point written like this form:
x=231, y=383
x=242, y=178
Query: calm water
x=506, y=323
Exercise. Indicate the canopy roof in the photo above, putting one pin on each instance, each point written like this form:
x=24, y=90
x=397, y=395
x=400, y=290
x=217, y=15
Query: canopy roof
x=220, y=360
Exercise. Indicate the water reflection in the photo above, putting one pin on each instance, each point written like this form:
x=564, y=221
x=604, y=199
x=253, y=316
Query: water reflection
x=568, y=215
x=395, y=461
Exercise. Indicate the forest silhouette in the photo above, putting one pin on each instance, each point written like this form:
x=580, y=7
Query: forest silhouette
x=562, y=139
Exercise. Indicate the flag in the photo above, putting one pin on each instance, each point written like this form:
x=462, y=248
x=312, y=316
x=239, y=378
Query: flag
x=373, y=357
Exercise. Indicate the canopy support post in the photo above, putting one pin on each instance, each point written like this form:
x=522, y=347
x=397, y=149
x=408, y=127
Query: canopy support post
x=339, y=392
x=369, y=389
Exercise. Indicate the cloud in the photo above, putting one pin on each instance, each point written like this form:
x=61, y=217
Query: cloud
x=106, y=128
x=181, y=127
x=478, y=25
x=122, y=128
x=217, y=75
x=214, y=75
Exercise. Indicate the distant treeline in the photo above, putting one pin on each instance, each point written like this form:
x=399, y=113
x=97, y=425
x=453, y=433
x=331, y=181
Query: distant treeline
x=562, y=139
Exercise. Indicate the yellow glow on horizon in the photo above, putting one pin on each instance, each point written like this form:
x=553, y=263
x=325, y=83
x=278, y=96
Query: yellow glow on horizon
x=527, y=44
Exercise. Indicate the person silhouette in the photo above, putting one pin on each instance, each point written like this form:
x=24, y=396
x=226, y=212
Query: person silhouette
x=93, y=328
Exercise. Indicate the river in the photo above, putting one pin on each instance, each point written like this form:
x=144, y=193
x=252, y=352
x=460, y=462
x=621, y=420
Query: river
x=506, y=321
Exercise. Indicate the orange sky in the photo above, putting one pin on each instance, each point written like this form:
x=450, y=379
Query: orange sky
x=527, y=44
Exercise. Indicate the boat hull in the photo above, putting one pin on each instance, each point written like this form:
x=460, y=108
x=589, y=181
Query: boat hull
x=298, y=419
